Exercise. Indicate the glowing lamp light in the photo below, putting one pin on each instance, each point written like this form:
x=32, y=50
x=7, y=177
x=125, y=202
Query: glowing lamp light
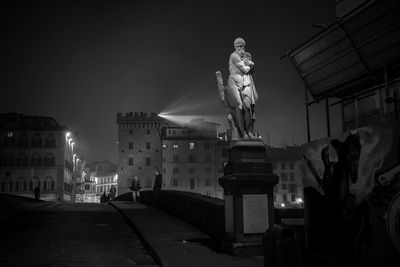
x=67, y=134
x=299, y=200
x=282, y=205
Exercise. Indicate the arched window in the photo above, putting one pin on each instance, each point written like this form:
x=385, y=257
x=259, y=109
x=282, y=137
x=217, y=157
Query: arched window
x=20, y=185
x=48, y=184
x=34, y=183
x=49, y=160
x=8, y=159
x=22, y=159
x=50, y=140
x=6, y=185
x=36, y=159
x=130, y=145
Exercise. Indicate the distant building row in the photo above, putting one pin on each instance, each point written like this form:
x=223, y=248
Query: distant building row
x=35, y=151
x=191, y=158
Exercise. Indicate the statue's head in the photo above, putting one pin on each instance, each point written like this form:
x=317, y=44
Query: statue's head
x=239, y=44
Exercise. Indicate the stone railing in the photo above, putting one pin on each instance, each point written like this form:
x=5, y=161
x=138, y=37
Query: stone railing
x=204, y=212
x=208, y=214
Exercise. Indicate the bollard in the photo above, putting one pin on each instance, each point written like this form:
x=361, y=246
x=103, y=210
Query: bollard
x=281, y=247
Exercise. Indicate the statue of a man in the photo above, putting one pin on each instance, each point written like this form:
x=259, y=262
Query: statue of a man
x=241, y=94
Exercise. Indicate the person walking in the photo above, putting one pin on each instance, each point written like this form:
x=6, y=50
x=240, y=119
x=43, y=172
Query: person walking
x=36, y=192
x=113, y=191
x=157, y=186
x=135, y=187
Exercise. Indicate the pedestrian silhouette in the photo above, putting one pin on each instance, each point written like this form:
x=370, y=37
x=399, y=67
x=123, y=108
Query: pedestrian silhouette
x=112, y=193
x=36, y=192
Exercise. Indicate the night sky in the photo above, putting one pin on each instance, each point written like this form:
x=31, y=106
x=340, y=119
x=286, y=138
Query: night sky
x=81, y=62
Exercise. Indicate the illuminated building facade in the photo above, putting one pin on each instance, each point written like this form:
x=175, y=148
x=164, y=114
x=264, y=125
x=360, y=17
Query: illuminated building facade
x=139, y=148
x=103, y=175
x=37, y=151
x=289, y=166
x=189, y=158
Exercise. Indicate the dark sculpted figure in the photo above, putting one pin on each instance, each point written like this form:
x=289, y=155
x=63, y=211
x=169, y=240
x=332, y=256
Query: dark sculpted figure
x=346, y=221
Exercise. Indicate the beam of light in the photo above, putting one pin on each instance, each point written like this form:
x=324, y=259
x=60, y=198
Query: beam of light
x=185, y=120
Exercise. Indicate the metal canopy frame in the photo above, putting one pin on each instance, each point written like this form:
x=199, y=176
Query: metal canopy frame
x=357, y=52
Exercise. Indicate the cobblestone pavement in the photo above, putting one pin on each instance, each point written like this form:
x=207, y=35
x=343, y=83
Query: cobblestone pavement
x=63, y=234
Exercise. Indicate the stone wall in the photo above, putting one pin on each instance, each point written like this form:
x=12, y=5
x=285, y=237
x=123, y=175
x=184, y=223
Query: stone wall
x=208, y=214
x=204, y=212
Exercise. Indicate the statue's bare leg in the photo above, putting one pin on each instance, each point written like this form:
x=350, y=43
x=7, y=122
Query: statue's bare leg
x=241, y=122
x=247, y=116
x=253, y=118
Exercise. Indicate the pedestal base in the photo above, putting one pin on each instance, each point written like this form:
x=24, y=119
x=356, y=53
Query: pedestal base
x=248, y=184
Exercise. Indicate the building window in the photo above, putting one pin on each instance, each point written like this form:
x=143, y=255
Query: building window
x=148, y=161
x=284, y=198
x=291, y=165
x=22, y=160
x=291, y=176
x=175, y=146
x=284, y=177
x=164, y=160
x=191, y=145
x=6, y=185
x=21, y=185
x=8, y=160
x=283, y=186
x=23, y=142
x=130, y=146
x=292, y=188
x=192, y=170
x=35, y=160
x=10, y=140
x=207, y=145
x=147, y=145
x=147, y=131
x=175, y=158
x=48, y=184
x=175, y=170
x=192, y=158
x=164, y=171
x=208, y=170
x=130, y=161
x=208, y=182
x=283, y=165
x=208, y=158
x=49, y=160
x=36, y=140
x=192, y=183
x=293, y=197
x=130, y=132
x=50, y=141
x=175, y=182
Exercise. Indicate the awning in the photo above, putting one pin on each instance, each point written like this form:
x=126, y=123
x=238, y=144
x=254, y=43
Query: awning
x=352, y=54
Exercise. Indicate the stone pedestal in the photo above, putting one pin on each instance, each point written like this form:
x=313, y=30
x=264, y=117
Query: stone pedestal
x=248, y=184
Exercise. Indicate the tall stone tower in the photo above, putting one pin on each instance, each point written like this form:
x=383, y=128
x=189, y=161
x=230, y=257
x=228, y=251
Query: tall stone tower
x=139, y=148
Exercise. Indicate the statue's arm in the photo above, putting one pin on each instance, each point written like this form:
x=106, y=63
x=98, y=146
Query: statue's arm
x=248, y=62
x=240, y=63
